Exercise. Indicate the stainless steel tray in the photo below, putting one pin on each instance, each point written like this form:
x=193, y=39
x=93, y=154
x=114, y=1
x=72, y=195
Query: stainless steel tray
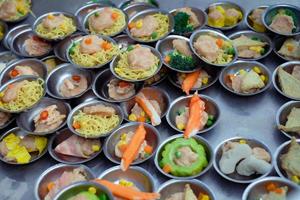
x=240, y=116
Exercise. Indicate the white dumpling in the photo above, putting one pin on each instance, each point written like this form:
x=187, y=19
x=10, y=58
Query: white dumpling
x=252, y=165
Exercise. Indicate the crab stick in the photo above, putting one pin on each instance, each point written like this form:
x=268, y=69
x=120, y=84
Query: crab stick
x=189, y=81
x=133, y=147
x=127, y=192
x=148, y=108
x=196, y=110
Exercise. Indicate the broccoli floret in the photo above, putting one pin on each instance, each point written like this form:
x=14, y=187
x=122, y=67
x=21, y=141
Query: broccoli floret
x=180, y=61
x=153, y=2
x=182, y=25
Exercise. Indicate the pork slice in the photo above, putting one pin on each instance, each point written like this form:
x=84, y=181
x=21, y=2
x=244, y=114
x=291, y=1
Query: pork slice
x=8, y=9
x=231, y=12
x=11, y=93
x=36, y=47
x=182, y=46
x=25, y=70
x=100, y=110
x=141, y=58
x=256, y=15
x=71, y=88
x=206, y=46
x=102, y=20
x=53, y=22
x=92, y=47
x=29, y=143
x=149, y=26
x=187, y=158
x=237, y=83
x=283, y=24
x=296, y=72
x=247, y=53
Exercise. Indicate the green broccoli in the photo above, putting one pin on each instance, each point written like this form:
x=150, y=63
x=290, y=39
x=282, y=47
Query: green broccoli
x=182, y=25
x=180, y=61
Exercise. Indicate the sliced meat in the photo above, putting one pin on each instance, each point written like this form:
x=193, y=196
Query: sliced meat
x=29, y=143
x=141, y=58
x=214, y=14
x=101, y=110
x=4, y=118
x=91, y=44
x=3, y=149
x=176, y=196
x=296, y=72
x=23, y=70
x=71, y=88
x=119, y=91
x=247, y=53
x=182, y=46
x=237, y=83
x=11, y=93
x=101, y=20
x=136, y=110
x=231, y=12
x=8, y=10
x=206, y=46
x=256, y=16
x=193, y=17
x=283, y=24
x=187, y=158
x=149, y=26
x=36, y=47
x=261, y=154
x=53, y=21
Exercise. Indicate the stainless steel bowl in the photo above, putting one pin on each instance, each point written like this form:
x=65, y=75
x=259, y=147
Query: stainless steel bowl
x=34, y=155
x=213, y=33
x=282, y=114
x=19, y=79
x=52, y=174
x=157, y=78
x=78, y=40
x=25, y=120
x=126, y=3
x=93, y=103
x=40, y=19
x=74, y=189
x=12, y=33
x=272, y=10
x=288, y=67
x=212, y=72
x=200, y=140
x=4, y=28
x=6, y=57
x=56, y=60
x=143, y=14
x=141, y=178
x=278, y=42
x=247, y=66
x=86, y=24
x=115, y=61
x=261, y=36
x=248, y=21
x=100, y=87
x=201, y=16
x=165, y=47
x=282, y=149
x=257, y=189
x=174, y=186
x=137, y=7
x=17, y=44
x=58, y=75
x=235, y=177
x=58, y=138
x=124, y=41
x=36, y=65
x=151, y=93
x=152, y=138
x=227, y=5
x=211, y=107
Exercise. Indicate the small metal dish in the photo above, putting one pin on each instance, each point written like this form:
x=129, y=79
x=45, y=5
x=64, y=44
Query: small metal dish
x=235, y=177
x=19, y=79
x=40, y=19
x=251, y=34
x=137, y=7
x=93, y=103
x=89, y=95
x=227, y=5
x=58, y=75
x=201, y=16
x=157, y=78
x=152, y=138
x=200, y=140
x=17, y=44
x=212, y=33
x=56, y=62
x=78, y=40
x=282, y=149
x=212, y=72
x=25, y=120
x=165, y=46
x=52, y=174
x=100, y=86
x=126, y=3
x=143, y=14
x=257, y=189
x=115, y=61
x=124, y=41
x=3, y=29
x=12, y=33
x=272, y=10
x=86, y=24
x=247, y=66
x=34, y=155
x=36, y=65
x=174, y=186
x=282, y=114
x=248, y=21
x=141, y=178
x=278, y=43
x=24, y=16
x=6, y=57
x=74, y=189
x=58, y=138
x=288, y=67
x=211, y=107
x=151, y=93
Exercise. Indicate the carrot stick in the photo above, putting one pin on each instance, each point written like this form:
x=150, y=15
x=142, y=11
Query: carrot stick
x=133, y=147
x=189, y=81
x=127, y=192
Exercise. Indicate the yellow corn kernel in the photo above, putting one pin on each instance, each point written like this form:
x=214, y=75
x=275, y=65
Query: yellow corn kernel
x=257, y=69
x=139, y=24
x=92, y=190
x=256, y=48
x=180, y=126
x=243, y=142
x=132, y=117
x=125, y=183
x=204, y=197
x=1, y=94
x=143, y=114
x=50, y=16
x=63, y=27
x=123, y=136
x=263, y=78
x=95, y=148
x=205, y=80
x=295, y=179
x=242, y=72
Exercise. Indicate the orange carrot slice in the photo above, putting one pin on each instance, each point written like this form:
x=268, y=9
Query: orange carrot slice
x=127, y=192
x=167, y=59
x=50, y=186
x=131, y=25
x=148, y=149
x=76, y=125
x=88, y=41
x=219, y=42
x=194, y=123
x=271, y=187
x=114, y=16
x=14, y=73
x=167, y=168
x=76, y=78
x=44, y=115
x=189, y=81
x=133, y=147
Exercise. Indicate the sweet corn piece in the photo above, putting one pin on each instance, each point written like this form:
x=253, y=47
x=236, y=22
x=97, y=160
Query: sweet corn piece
x=243, y=142
x=256, y=48
x=1, y=94
x=139, y=24
x=92, y=190
x=50, y=16
x=257, y=69
x=95, y=148
x=263, y=78
x=143, y=113
x=132, y=117
x=123, y=136
x=242, y=72
x=296, y=179
x=125, y=183
x=180, y=126
x=204, y=197
x=205, y=80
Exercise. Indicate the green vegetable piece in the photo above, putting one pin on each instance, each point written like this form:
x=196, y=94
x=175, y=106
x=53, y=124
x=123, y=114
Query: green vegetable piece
x=154, y=35
x=130, y=47
x=178, y=154
x=181, y=20
x=180, y=61
x=90, y=196
x=181, y=111
x=292, y=14
x=103, y=196
x=255, y=38
x=230, y=50
x=209, y=123
x=148, y=120
x=153, y=2
x=72, y=51
x=169, y=153
x=211, y=117
x=262, y=51
x=96, y=14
